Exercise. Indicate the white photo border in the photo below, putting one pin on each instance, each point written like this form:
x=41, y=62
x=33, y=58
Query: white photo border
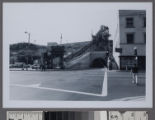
x=147, y=103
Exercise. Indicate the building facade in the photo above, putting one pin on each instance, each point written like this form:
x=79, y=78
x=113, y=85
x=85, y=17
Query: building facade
x=53, y=57
x=132, y=29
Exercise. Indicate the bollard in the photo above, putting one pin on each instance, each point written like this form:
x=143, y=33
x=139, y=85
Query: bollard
x=136, y=79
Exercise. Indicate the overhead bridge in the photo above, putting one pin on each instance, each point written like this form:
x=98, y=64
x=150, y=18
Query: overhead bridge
x=98, y=53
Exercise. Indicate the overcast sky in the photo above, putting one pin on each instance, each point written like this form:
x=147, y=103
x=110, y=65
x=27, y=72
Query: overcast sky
x=46, y=21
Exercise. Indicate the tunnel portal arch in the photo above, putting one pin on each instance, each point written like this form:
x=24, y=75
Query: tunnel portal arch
x=98, y=63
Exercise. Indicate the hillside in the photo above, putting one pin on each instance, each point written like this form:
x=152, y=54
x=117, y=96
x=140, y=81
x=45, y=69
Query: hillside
x=25, y=52
x=28, y=52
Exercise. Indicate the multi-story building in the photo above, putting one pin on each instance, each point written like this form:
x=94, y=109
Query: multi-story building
x=132, y=29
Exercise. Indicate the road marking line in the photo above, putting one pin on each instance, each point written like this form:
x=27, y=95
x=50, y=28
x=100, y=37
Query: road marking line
x=105, y=84
x=55, y=89
x=34, y=85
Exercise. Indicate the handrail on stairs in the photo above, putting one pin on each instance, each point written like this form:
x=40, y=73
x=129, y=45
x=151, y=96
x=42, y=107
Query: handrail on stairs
x=79, y=52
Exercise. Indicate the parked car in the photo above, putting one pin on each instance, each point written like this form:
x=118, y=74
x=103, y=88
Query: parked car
x=36, y=66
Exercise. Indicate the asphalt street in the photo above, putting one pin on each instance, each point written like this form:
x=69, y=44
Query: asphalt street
x=75, y=85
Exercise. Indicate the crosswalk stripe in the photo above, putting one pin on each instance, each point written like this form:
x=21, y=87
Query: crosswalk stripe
x=105, y=84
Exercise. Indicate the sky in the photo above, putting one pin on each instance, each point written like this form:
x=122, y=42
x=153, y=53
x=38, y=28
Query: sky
x=47, y=21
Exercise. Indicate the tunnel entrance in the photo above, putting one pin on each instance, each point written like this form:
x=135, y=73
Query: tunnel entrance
x=98, y=63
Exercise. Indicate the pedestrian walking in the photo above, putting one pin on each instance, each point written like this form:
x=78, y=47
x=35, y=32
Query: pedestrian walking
x=42, y=67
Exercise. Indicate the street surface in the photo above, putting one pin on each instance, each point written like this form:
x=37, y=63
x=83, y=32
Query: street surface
x=75, y=85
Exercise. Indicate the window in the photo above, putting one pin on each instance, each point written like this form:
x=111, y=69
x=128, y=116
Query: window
x=144, y=37
x=130, y=38
x=129, y=22
x=144, y=22
x=132, y=114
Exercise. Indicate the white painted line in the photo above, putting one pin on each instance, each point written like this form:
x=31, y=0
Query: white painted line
x=34, y=85
x=55, y=89
x=105, y=84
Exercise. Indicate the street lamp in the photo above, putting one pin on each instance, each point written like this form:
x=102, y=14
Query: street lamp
x=108, y=60
x=29, y=35
x=135, y=54
x=135, y=51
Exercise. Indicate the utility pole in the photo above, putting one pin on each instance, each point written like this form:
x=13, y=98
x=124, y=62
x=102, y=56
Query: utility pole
x=61, y=39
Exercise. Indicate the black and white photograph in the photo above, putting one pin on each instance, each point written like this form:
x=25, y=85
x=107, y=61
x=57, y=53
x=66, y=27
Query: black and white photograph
x=77, y=115
x=77, y=55
x=57, y=115
x=128, y=115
